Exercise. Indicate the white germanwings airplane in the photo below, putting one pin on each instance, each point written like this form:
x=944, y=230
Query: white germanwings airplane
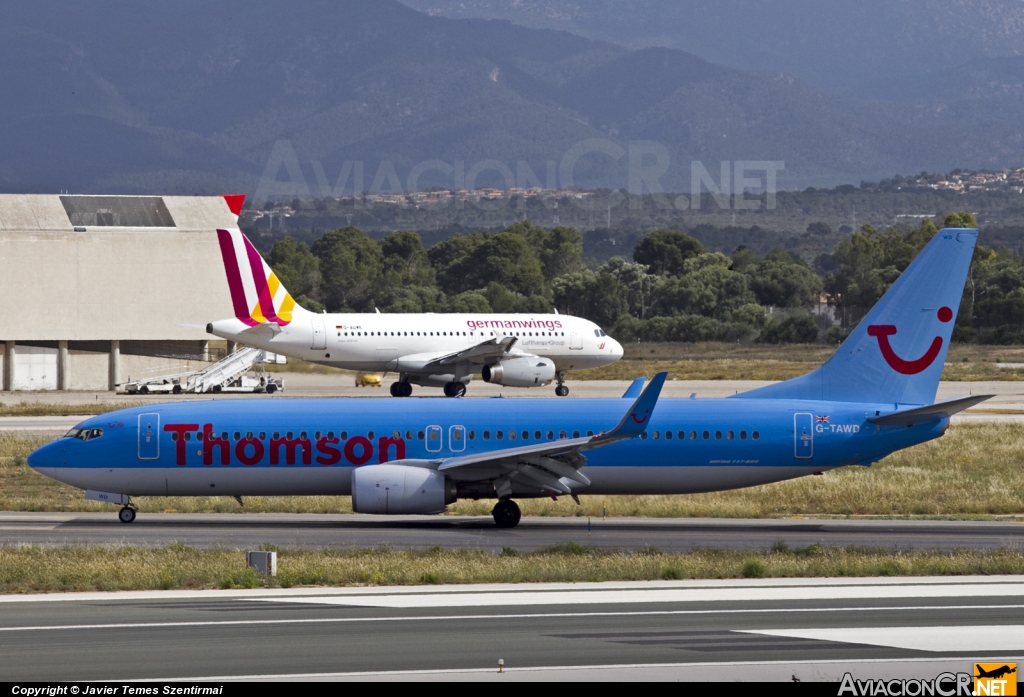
x=438, y=350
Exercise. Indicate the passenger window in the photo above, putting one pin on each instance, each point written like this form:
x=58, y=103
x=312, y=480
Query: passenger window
x=693, y=435
x=499, y=435
x=224, y=435
x=275, y=436
x=536, y=435
x=248, y=435
x=657, y=435
x=435, y=434
x=729, y=435
x=668, y=435
x=526, y=435
x=743, y=435
x=511, y=435
x=288, y=435
x=344, y=435
x=370, y=435
x=302, y=436
x=590, y=434
x=706, y=434
x=561, y=434
x=755, y=435
x=718, y=435
x=330, y=435
x=199, y=436
x=419, y=435
x=472, y=435
x=238, y=436
x=487, y=435
x=682, y=435
x=174, y=436
x=397, y=435
x=643, y=436
x=188, y=436
x=408, y=435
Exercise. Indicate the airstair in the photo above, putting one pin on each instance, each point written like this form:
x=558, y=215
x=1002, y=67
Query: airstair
x=226, y=375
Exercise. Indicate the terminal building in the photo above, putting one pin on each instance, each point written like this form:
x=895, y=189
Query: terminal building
x=97, y=290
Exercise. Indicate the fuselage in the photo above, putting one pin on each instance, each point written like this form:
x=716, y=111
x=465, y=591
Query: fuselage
x=378, y=342
x=311, y=446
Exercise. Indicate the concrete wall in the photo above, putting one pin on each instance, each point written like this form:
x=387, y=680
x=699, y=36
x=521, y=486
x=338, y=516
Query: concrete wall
x=107, y=282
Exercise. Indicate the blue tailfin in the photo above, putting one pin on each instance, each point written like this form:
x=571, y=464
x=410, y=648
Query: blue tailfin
x=896, y=354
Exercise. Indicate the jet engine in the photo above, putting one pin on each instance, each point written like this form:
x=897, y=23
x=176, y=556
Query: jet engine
x=522, y=371
x=398, y=489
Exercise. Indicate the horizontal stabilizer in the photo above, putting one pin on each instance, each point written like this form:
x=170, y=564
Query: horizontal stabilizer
x=933, y=412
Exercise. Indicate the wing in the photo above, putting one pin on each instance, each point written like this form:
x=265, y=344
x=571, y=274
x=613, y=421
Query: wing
x=544, y=466
x=493, y=348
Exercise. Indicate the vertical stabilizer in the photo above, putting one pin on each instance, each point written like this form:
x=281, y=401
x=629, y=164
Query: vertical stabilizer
x=257, y=295
x=896, y=354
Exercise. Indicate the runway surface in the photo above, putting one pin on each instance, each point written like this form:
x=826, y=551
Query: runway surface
x=705, y=630
x=237, y=531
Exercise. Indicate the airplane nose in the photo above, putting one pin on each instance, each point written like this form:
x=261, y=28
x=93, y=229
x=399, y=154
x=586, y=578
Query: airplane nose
x=48, y=455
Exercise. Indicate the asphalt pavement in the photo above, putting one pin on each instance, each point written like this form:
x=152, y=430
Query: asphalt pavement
x=241, y=530
x=772, y=629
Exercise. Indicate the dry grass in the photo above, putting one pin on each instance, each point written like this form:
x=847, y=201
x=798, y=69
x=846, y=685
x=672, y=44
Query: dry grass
x=718, y=361
x=975, y=470
x=88, y=568
x=57, y=409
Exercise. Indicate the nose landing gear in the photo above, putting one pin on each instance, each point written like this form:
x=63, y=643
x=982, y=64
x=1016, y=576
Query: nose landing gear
x=506, y=513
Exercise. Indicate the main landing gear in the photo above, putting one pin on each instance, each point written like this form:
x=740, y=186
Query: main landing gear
x=506, y=513
x=455, y=389
x=561, y=390
x=401, y=389
x=126, y=514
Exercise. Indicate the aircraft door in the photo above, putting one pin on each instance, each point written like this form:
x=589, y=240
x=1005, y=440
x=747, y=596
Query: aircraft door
x=319, y=334
x=575, y=341
x=149, y=436
x=434, y=439
x=457, y=439
x=803, y=436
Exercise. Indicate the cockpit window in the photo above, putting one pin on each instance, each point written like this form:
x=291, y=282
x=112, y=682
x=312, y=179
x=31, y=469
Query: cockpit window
x=84, y=433
x=599, y=332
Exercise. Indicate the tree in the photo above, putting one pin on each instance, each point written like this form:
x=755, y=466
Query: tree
x=405, y=260
x=506, y=259
x=561, y=252
x=707, y=287
x=451, y=257
x=782, y=281
x=598, y=297
x=297, y=269
x=961, y=219
x=351, y=265
x=796, y=329
x=637, y=284
x=664, y=252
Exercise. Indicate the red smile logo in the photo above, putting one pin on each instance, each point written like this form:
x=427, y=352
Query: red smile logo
x=882, y=332
x=639, y=420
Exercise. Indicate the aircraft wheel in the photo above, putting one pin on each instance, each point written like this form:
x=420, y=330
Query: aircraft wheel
x=506, y=514
x=406, y=390
x=459, y=390
x=395, y=387
x=271, y=389
x=126, y=515
x=448, y=389
x=176, y=389
x=562, y=391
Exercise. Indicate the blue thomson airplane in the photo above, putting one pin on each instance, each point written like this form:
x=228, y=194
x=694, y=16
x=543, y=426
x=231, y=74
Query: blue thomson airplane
x=873, y=397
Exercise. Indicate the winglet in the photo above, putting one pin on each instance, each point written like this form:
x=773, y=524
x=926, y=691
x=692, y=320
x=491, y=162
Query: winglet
x=639, y=415
x=635, y=389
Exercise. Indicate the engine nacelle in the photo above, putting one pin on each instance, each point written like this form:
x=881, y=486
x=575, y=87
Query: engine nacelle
x=522, y=371
x=398, y=489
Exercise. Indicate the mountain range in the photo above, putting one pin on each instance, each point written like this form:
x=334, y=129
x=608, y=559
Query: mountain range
x=187, y=97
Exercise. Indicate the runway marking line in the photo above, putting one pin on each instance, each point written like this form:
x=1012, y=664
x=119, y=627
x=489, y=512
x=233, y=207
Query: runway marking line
x=1002, y=637
x=534, y=615
x=608, y=666
x=669, y=595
